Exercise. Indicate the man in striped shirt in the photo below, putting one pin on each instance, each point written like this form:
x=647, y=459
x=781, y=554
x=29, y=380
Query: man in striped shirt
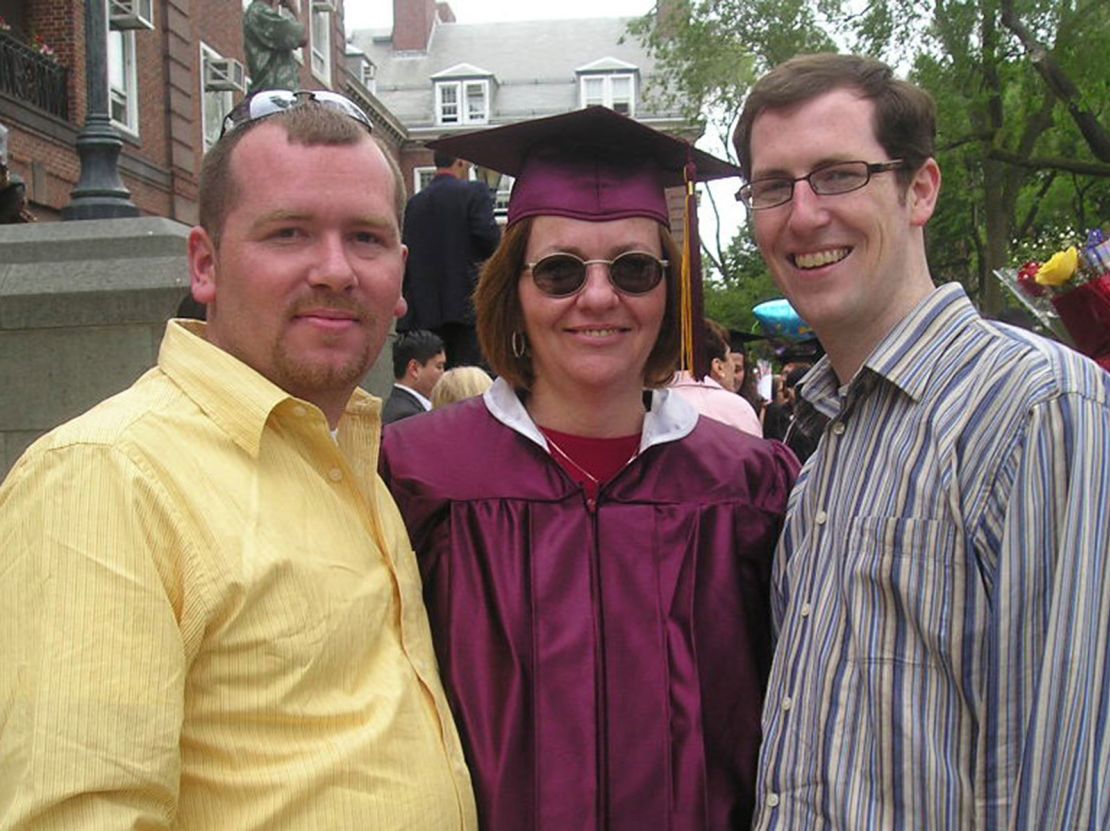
x=941, y=590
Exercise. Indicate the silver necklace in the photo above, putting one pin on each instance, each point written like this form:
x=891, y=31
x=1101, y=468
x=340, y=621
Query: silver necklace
x=579, y=468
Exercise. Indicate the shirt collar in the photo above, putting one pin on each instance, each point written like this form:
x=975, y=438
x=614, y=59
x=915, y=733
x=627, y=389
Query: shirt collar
x=685, y=379
x=905, y=357
x=235, y=396
x=424, y=402
x=669, y=419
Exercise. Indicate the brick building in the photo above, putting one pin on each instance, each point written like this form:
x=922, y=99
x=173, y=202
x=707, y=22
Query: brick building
x=174, y=77
x=171, y=81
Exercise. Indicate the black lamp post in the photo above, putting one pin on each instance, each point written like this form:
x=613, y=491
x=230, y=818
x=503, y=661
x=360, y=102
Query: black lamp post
x=100, y=193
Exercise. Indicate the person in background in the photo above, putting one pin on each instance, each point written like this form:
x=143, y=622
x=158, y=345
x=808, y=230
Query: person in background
x=941, y=590
x=747, y=373
x=710, y=396
x=418, y=365
x=211, y=615
x=458, y=384
x=450, y=230
x=798, y=436
x=594, y=554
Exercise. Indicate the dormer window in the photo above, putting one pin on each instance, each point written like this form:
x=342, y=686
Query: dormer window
x=462, y=102
x=608, y=83
x=368, y=74
x=612, y=91
x=462, y=95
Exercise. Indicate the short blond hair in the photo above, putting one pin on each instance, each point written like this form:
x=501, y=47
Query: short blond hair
x=458, y=384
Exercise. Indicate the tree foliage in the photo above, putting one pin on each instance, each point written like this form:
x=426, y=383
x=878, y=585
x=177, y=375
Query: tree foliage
x=738, y=286
x=1023, y=95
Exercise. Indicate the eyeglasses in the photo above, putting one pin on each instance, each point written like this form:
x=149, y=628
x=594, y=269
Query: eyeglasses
x=273, y=101
x=828, y=180
x=562, y=275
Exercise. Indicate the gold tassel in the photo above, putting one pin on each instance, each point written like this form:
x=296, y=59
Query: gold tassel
x=692, y=352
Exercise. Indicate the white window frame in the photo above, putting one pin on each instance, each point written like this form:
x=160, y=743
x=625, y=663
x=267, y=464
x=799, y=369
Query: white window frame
x=461, y=113
x=224, y=101
x=501, y=198
x=421, y=176
x=125, y=96
x=320, y=43
x=368, y=74
x=607, y=97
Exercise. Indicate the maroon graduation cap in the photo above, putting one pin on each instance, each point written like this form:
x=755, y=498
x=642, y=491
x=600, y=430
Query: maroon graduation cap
x=597, y=165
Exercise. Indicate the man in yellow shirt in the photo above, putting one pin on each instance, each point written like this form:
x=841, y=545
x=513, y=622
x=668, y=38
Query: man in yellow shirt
x=211, y=615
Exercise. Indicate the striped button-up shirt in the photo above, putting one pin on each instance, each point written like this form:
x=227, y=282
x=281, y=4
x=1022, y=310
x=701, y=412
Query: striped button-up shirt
x=942, y=590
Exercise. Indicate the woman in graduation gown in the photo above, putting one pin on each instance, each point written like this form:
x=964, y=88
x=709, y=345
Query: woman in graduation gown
x=596, y=558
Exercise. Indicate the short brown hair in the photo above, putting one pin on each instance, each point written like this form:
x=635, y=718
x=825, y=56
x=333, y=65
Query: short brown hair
x=307, y=124
x=499, y=314
x=716, y=341
x=905, y=115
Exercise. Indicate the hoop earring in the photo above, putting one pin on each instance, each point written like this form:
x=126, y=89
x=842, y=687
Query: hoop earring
x=519, y=344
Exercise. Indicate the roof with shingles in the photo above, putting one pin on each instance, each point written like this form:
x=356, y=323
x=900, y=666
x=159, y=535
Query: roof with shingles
x=532, y=65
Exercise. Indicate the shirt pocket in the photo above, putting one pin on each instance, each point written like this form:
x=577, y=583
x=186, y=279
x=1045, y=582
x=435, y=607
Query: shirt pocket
x=903, y=584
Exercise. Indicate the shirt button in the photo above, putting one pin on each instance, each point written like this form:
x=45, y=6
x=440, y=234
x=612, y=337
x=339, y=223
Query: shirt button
x=821, y=518
x=806, y=609
x=787, y=703
x=838, y=428
x=335, y=474
x=299, y=411
x=772, y=800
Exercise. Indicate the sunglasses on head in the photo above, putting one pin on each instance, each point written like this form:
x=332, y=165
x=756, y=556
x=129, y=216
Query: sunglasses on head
x=273, y=101
x=561, y=274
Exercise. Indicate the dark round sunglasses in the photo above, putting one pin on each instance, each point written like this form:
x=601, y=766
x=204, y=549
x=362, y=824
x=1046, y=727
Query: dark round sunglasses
x=562, y=275
x=273, y=101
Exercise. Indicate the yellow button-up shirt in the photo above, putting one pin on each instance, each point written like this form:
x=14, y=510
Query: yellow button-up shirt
x=212, y=618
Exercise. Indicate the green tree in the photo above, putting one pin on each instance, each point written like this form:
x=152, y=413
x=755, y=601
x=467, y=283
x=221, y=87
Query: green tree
x=1023, y=93
x=742, y=283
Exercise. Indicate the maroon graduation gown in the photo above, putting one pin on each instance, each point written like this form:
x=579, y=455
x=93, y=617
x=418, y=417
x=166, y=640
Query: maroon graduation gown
x=606, y=668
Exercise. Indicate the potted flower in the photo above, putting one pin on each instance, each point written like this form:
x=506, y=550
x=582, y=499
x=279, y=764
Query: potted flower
x=39, y=44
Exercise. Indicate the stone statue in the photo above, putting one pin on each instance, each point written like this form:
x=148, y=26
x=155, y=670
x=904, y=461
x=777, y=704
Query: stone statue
x=270, y=37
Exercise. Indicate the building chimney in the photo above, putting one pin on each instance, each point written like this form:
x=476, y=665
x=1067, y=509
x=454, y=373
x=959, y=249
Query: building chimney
x=413, y=21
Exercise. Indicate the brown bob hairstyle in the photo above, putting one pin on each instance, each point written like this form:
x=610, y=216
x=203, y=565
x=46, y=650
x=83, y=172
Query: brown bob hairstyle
x=905, y=121
x=499, y=314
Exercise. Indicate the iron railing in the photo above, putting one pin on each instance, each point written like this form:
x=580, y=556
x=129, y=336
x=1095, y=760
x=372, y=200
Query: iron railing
x=32, y=78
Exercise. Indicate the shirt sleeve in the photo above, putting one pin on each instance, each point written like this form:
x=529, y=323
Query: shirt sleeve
x=1047, y=707
x=93, y=666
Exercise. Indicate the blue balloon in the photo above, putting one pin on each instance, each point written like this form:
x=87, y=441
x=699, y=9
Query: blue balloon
x=779, y=320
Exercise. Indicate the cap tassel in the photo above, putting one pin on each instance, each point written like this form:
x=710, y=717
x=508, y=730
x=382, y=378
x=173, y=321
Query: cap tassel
x=691, y=303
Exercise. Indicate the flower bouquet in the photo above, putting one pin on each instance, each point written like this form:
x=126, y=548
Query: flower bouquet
x=1073, y=288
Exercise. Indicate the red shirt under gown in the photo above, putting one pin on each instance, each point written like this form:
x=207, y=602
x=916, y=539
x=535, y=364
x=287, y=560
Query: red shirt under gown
x=605, y=666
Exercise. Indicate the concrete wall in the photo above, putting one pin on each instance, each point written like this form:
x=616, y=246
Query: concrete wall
x=82, y=309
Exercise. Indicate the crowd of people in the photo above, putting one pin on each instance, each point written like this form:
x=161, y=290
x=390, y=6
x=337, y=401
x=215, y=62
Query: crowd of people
x=566, y=587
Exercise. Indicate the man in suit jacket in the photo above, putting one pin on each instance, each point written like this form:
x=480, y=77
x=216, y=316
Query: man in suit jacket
x=449, y=230
x=418, y=362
